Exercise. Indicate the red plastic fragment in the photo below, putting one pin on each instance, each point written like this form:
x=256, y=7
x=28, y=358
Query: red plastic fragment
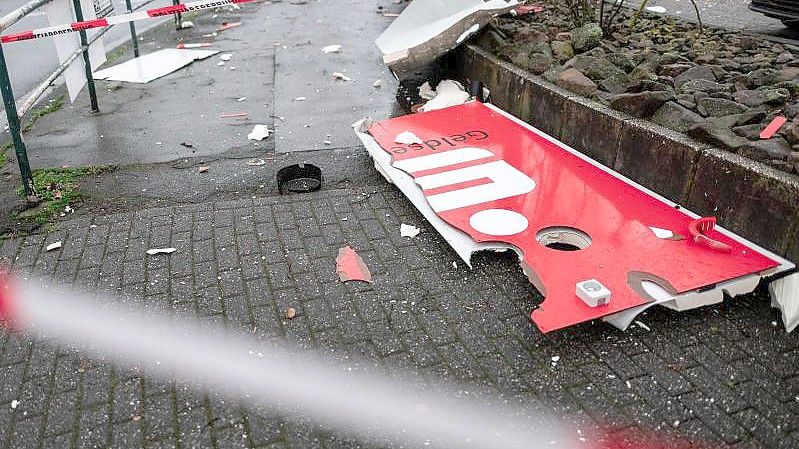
x=772, y=128
x=351, y=267
x=701, y=228
x=227, y=26
x=528, y=9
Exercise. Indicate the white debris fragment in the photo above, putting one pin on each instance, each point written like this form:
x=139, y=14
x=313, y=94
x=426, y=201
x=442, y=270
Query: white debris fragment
x=455, y=265
x=331, y=49
x=555, y=360
x=259, y=133
x=407, y=138
x=341, y=76
x=448, y=93
x=68, y=209
x=300, y=99
x=427, y=92
x=186, y=24
x=54, y=246
x=220, y=63
x=643, y=326
x=257, y=162
x=407, y=230
x=14, y=404
x=465, y=35
x=656, y=9
x=629, y=385
x=377, y=84
x=226, y=56
x=662, y=233
x=154, y=251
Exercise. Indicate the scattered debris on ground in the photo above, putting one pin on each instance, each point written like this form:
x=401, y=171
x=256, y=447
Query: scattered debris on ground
x=259, y=133
x=156, y=251
x=410, y=231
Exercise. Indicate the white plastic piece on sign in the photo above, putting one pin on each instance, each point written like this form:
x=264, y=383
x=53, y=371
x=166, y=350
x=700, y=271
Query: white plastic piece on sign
x=499, y=222
x=407, y=138
x=153, y=66
x=593, y=293
x=506, y=182
x=662, y=233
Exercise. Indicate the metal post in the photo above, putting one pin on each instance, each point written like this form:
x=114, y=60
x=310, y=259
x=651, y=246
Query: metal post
x=14, y=128
x=178, y=17
x=84, y=41
x=133, y=39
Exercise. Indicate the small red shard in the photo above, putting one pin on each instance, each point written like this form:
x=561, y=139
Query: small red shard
x=528, y=9
x=350, y=266
x=772, y=128
x=227, y=26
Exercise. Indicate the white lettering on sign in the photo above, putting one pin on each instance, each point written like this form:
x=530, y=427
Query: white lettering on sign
x=505, y=180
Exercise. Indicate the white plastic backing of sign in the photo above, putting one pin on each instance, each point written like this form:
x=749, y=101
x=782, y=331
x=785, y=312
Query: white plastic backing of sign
x=153, y=66
x=60, y=12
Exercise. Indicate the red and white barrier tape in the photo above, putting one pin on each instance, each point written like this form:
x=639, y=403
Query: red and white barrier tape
x=116, y=20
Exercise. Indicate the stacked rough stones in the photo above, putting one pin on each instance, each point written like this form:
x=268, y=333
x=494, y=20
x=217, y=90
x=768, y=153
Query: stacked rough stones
x=718, y=86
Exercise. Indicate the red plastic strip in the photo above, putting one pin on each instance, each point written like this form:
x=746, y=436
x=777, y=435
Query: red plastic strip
x=24, y=36
x=89, y=24
x=772, y=128
x=166, y=11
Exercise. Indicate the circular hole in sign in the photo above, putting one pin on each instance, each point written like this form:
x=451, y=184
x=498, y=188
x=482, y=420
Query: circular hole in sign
x=563, y=238
x=299, y=178
x=498, y=222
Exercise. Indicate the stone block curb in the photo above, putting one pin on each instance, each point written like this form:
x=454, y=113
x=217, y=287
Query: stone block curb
x=756, y=201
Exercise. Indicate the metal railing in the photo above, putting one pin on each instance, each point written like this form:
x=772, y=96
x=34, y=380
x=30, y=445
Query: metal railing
x=15, y=114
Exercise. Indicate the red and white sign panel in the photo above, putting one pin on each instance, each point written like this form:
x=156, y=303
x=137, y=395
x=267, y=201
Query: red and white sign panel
x=500, y=181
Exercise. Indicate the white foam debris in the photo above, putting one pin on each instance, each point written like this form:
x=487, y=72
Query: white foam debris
x=410, y=231
x=407, y=138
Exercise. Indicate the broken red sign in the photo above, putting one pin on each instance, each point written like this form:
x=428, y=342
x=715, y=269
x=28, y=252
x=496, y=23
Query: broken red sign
x=350, y=266
x=500, y=180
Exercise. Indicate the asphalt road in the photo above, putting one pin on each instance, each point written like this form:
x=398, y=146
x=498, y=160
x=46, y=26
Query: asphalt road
x=731, y=14
x=30, y=62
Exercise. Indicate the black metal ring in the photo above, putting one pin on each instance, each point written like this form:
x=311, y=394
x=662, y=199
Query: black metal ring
x=299, y=178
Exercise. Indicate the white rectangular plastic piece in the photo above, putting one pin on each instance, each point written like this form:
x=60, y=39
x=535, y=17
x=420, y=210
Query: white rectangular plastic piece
x=593, y=293
x=152, y=66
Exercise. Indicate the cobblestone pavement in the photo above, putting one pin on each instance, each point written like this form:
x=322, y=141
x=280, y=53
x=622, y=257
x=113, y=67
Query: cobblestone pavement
x=726, y=374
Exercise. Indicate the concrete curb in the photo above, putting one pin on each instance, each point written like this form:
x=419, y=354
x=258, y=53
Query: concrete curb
x=749, y=198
